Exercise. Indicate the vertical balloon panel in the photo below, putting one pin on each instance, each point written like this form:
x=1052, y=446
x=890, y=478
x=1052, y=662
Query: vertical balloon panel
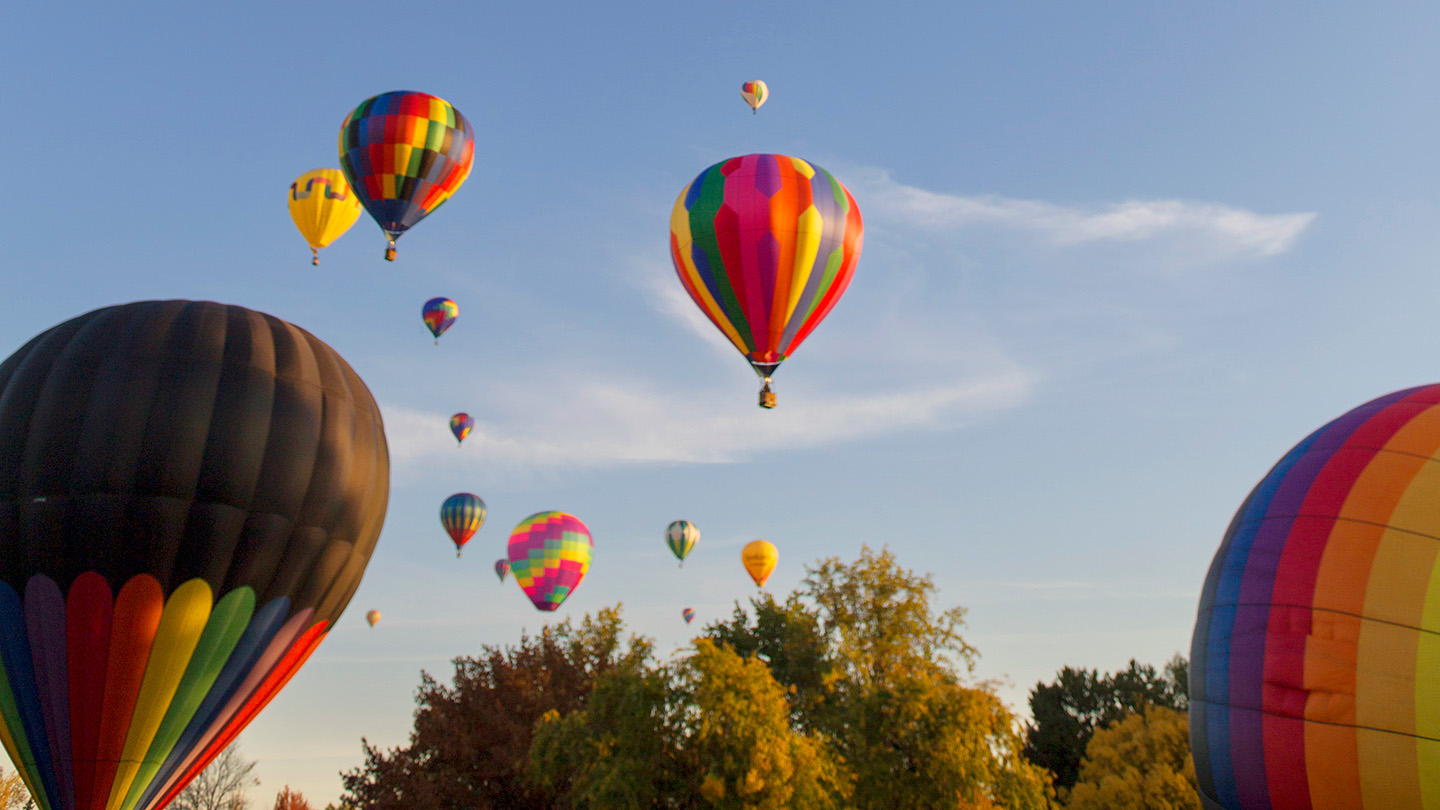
x=189, y=493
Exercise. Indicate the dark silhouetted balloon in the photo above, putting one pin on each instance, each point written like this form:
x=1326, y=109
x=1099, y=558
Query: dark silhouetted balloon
x=189, y=494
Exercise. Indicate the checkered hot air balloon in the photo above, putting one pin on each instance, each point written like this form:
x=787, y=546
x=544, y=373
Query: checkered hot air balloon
x=405, y=154
x=549, y=556
x=681, y=536
x=765, y=245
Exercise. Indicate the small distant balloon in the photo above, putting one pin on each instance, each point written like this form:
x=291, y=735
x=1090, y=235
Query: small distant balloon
x=439, y=313
x=689, y=615
x=462, y=515
x=759, y=558
x=461, y=424
x=754, y=94
x=373, y=617
x=550, y=555
x=323, y=208
x=502, y=568
x=681, y=536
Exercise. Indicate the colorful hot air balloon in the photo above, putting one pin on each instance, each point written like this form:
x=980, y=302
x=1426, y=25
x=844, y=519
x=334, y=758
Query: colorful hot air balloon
x=688, y=614
x=323, y=208
x=1317, y=646
x=189, y=495
x=405, y=153
x=439, y=313
x=754, y=94
x=461, y=424
x=462, y=515
x=372, y=617
x=549, y=555
x=765, y=245
x=759, y=558
x=502, y=568
x=681, y=536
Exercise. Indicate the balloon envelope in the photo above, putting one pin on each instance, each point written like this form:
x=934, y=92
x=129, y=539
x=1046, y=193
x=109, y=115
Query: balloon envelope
x=372, y=617
x=323, y=207
x=502, y=568
x=550, y=555
x=438, y=314
x=681, y=536
x=1317, y=645
x=462, y=514
x=461, y=424
x=405, y=153
x=759, y=558
x=189, y=495
x=765, y=245
x=754, y=93
x=688, y=615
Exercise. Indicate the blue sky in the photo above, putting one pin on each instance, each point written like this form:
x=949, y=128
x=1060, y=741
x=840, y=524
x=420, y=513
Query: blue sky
x=1119, y=257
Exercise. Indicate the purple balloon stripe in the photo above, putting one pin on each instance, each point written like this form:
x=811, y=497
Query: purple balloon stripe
x=45, y=625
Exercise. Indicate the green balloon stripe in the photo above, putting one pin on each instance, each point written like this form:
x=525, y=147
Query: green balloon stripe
x=226, y=625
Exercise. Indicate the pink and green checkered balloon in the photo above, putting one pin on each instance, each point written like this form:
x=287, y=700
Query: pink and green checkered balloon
x=549, y=556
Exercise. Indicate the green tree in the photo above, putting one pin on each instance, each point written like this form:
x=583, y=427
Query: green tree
x=1140, y=763
x=471, y=740
x=913, y=733
x=789, y=640
x=1067, y=712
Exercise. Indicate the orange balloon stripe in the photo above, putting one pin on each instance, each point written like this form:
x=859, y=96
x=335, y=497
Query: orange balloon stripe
x=138, y=609
x=785, y=209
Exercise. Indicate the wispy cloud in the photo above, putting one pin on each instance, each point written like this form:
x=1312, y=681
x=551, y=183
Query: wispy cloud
x=1224, y=230
x=601, y=423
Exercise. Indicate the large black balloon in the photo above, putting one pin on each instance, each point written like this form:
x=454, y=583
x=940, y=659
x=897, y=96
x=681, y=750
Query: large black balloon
x=182, y=441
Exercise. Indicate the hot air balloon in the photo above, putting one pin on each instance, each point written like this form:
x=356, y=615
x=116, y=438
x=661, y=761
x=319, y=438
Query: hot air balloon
x=502, y=568
x=549, y=555
x=759, y=558
x=765, y=245
x=439, y=313
x=688, y=614
x=323, y=208
x=461, y=424
x=681, y=536
x=754, y=94
x=1317, y=645
x=462, y=515
x=189, y=495
x=372, y=617
x=405, y=153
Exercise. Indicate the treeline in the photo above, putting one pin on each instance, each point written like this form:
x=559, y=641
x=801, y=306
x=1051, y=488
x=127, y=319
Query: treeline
x=855, y=692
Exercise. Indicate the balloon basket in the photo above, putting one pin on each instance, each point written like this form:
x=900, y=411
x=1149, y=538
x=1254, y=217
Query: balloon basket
x=767, y=397
x=390, y=254
x=314, y=257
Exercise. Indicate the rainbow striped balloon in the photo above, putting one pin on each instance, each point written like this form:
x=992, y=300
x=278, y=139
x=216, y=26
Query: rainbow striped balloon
x=754, y=94
x=461, y=424
x=438, y=314
x=462, y=514
x=1316, y=653
x=405, y=154
x=549, y=556
x=765, y=246
x=688, y=614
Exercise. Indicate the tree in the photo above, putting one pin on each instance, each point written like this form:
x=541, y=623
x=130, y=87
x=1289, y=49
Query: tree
x=789, y=640
x=1067, y=712
x=913, y=734
x=1140, y=763
x=710, y=731
x=222, y=785
x=471, y=740
x=13, y=793
x=288, y=799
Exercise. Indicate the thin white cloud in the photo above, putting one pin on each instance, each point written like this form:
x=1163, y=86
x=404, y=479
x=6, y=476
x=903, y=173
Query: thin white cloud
x=601, y=423
x=1224, y=230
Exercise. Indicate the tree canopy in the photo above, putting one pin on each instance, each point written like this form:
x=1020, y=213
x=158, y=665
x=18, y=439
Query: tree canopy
x=1140, y=763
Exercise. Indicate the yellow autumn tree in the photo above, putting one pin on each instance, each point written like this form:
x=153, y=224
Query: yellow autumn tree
x=1139, y=763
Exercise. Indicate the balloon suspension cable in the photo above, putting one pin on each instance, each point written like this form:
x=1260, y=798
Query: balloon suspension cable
x=767, y=397
x=314, y=257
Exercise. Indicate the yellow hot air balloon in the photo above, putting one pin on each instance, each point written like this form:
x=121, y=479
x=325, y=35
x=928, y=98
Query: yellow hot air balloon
x=759, y=558
x=373, y=617
x=323, y=207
